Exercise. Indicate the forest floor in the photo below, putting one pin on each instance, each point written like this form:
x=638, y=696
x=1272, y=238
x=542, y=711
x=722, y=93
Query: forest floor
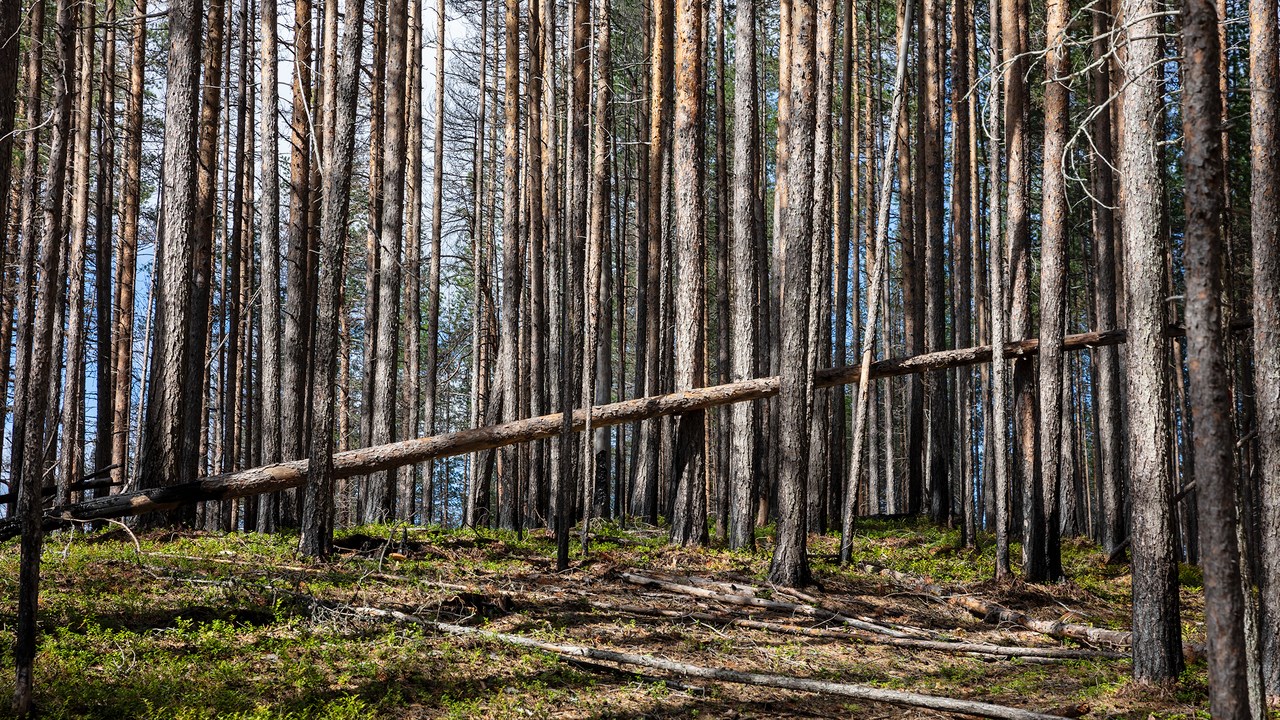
x=196, y=625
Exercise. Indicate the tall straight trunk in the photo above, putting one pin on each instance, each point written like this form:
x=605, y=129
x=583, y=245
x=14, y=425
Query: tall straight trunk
x=298, y=306
x=537, y=311
x=380, y=498
x=935, y=384
x=318, y=500
x=479, y=278
x=1264, y=77
x=242, y=220
x=877, y=282
x=1205, y=205
x=643, y=271
x=407, y=479
x=71, y=452
x=269, y=257
x=40, y=332
x=169, y=441
x=1102, y=186
x=595, y=356
x=1018, y=256
x=820, y=268
x=1157, y=642
x=688, y=524
x=102, y=445
x=722, y=274
x=963, y=177
x=373, y=259
x=206, y=209
x=556, y=246
x=1053, y=280
x=913, y=321
x=646, y=494
x=744, y=417
x=29, y=220
x=512, y=265
x=126, y=261
x=790, y=567
x=433, y=273
x=846, y=230
x=998, y=395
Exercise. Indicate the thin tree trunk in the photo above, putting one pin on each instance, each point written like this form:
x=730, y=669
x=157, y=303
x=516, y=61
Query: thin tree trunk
x=40, y=332
x=744, y=417
x=102, y=445
x=512, y=265
x=269, y=257
x=1053, y=280
x=71, y=455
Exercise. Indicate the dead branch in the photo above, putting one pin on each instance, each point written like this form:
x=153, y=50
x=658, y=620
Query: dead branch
x=859, y=692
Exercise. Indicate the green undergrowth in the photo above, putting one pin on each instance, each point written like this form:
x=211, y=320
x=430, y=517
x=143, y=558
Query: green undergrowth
x=192, y=626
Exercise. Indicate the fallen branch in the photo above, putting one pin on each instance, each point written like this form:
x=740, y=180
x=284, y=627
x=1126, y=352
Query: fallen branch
x=858, y=692
x=991, y=612
x=774, y=605
x=1008, y=651
x=162, y=496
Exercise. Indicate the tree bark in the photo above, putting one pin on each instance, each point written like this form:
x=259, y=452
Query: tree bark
x=790, y=565
x=318, y=500
x=169, y=440
x=1156, y=625
x=269, y=257
x=512, y=266
x=1053, y=281
x=379, y=500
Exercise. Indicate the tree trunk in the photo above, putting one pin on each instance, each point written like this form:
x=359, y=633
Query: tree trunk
x=1053, y=281
x=71, y=454
x=998, y=400
x=379, y=500
x=688, y=524
x=1264, y=77
x=1157, y=655
x=790, y=567
x=512, y=266
x=744, y=417
x=269, y=256
x=939, y=449
x=318, y=501
x=40, y=332
x=102, y=444
x=169, y=441
x=1107, y=360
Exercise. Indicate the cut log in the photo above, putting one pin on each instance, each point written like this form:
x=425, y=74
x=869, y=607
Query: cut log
x=281, y=476
x=858, y=692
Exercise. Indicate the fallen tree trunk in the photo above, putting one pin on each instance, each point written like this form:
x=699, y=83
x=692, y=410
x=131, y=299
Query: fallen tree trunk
x=281, y=476
x=1009, y=651
x=773, y=605
x=858, y=692
x=991, y=612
